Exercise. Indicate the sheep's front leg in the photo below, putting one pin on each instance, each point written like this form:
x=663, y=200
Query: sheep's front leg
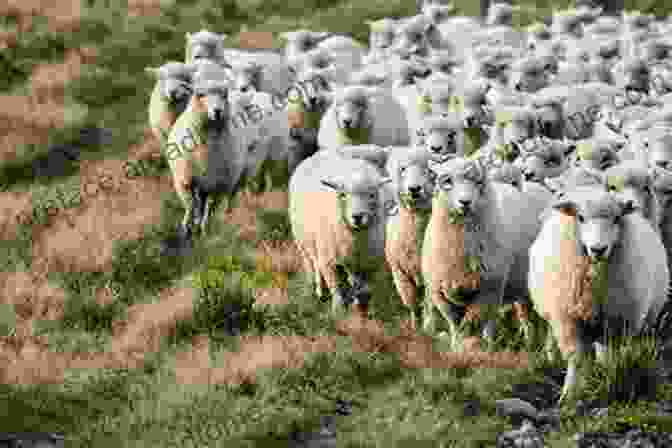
x=408, y=293
x=453, y=314
x=338, y=292
x=572, y=383
x=182, y=174
x=490, y=298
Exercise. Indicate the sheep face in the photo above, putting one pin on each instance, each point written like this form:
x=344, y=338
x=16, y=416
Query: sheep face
x=415, y=183
x=598, y=221
x=529, y=76
x=352, y=114
x=550, y=120
x=214, y=98
x=662, y=189
x=636, y=76
x=302, y=41
x=515, y=126
x=660, y=152
x=438, y=14
x=204, y=44
x=474, y=112
x=460, y=185
x=441, y=138
x=493, y=71
x=634, y=187
x=248, y=79
x=598, y=156
x=381, y=40
x=412, y=41
x=542, y=163
x=359, y=202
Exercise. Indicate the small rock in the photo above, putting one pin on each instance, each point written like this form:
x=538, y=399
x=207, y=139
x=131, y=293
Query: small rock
x=527, y=436
x=517, y=409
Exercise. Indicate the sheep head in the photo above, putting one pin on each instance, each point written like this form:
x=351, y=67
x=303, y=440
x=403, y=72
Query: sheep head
x=662, y=190
x=248, y=77
x=204, y=45
x=597, y=155
x=659, y=149
x=383, y=32
x=307, y=101
x=550, y=117
x=514, y=125
x=544, y=161
x=633, y=182
x=528, y=75
x=358, y=199
x=460, y=186
x=211, y=94
x=438, y=13
x=636, y=76
x=351, y=110
x=443, y=137
x=411, y=39
x=500, y=14
x=598, y=220
x=474, y=103
x=174, y=80
x=301, y=41
x=412, y=178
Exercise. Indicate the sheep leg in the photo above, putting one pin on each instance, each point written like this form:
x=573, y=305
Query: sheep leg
x=600, y=352
x=338, y=293
x=408, y=293
x=429, y=323
x=453, y=314
x=572, y=378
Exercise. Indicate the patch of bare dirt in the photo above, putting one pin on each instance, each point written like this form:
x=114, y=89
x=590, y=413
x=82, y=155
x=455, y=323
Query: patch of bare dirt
x=256, y=352
x=416, y=351
x=8, y=39
x=147, y=323
x=34, y=298
x=137, y=8
x=256, y=39
x=245, y=214
x=63, y=15
x=113, y=208
x=15, y=208
x=271, y=296
x=48, y=81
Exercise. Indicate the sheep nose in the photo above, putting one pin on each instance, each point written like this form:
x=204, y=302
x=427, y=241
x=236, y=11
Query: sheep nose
x=358, y=218
x=598, y=251
x=465, y=203
x=518, y=87
x=415, y=190
x=435, y=149
x=347, y=122
x=529, y=175
x=218, y=114
x=470, y=122
x=661, y=164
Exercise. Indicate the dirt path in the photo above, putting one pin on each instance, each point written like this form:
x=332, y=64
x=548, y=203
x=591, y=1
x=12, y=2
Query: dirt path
x=63, y=15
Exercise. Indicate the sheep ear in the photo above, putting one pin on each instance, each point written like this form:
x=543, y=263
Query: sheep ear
x=565, y=206
x=334, y=186
x=391, y=208
x=384, y=181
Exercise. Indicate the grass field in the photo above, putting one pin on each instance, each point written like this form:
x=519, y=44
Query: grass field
x=112, y=344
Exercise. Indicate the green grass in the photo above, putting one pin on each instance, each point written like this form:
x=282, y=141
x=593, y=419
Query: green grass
x=394, y=406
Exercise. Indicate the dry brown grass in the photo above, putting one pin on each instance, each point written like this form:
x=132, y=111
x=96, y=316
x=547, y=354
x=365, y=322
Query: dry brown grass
x=113, y=207
x=8, y=39
x=256, y=39
x=63, y=15
x=48, y=81
x=284, y=352
x=245, y=215
x=138, y=8
x=15, y=208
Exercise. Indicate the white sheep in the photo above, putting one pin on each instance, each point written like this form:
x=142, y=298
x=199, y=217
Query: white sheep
x=593, y=263
x=659, y=149
x=443, y=137
x=632, y=180
x=272, y=74
x=169, y=97
x=205, y=45
x=337, y=216
x=477, y=238
x=662, y=209
x=413, y=184
x=360, y=115
x=381, y=38
x=347, y=52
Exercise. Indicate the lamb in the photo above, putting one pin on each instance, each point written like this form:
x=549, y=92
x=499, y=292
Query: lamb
x=205, y=45
x=306, y=105
x=413, y=184
x=411, y=37
x=169, y=97
x=632, y=181
x=591, y=239
x=381, y=38
x=360, y=115
x=443, y=137
x=251, y=75
x=346, y=237
x=477, y=236
x=544, y=161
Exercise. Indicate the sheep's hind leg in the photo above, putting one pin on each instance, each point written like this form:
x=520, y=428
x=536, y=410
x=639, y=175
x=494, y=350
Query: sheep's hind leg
x=453, y=314
x=338, y=292
x=409, y=295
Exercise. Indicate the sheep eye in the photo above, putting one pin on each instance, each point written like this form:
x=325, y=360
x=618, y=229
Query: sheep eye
x=612, y=188
x=447, y=183
x=372, y=195
x=420, y=133
x=549, y=162
x=581, y=218
x=402, y=170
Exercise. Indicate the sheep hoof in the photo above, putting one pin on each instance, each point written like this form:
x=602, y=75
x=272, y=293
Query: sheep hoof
x=338, y=304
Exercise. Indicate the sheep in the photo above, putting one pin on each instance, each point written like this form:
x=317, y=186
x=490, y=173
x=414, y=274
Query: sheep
x=507, y=173
x=543, y=161
x=591, y=239
x=169, y=97
x=634, y=77
x=306, y=105
x=538, y=35
x=411, y=37
x=659, y=151
x=472, y=104
x=593, y=158
x=513, y=126
x=662, y=195
x=443, y=137
x=205, y=45
x=266, y=70
x=632, y=181
x=444, y=62
x=550, y=117
x=347, y=52
x=360, y=115
x=413, y=184
x=528, y=75
x=337, y=217
x=477, y=236
x=381, y=38
x=299, y=42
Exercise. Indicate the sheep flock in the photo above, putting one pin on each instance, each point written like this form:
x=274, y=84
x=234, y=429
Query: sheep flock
x=481, y=163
